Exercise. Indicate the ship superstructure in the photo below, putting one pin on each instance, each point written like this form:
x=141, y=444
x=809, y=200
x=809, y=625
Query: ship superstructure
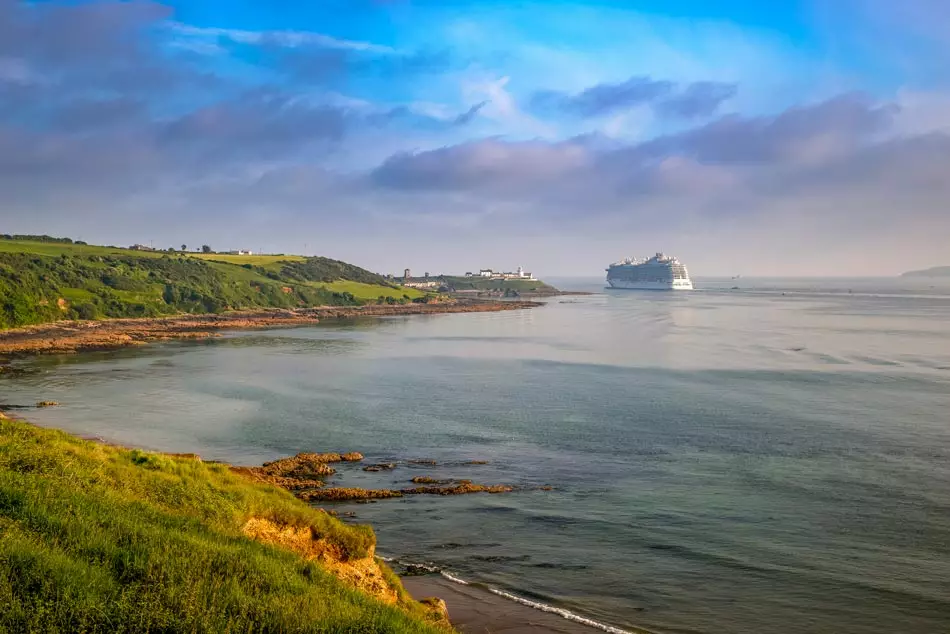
x=661, y=272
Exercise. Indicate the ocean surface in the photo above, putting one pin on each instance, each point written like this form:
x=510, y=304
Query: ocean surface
x=771, y=458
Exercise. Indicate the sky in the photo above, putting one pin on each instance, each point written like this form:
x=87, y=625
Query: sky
x=783, y=138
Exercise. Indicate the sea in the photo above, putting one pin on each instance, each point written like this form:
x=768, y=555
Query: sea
x=756, y=456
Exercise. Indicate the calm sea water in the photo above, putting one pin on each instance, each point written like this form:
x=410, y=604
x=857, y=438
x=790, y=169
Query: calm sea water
x=772, y=458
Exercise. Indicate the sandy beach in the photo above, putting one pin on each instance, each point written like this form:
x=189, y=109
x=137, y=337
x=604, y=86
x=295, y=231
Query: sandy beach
x=473, y=610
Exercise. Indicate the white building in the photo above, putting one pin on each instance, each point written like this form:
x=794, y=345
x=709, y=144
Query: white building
x=519, y=274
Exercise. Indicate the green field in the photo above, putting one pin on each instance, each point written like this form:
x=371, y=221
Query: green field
x=255, y=260
x=43, y=281
x=370, y=292
x=95, y=538
x=54, y=249
x=482, y=284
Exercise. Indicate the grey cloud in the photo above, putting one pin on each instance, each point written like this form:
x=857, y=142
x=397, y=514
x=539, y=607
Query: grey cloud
x=699, y=99
x=798, y=134
x=260, y=124
x=836, y=146
x=58, y=36
x=486, y=164
x=84, y=115
x=604, y=99
x=466, y=117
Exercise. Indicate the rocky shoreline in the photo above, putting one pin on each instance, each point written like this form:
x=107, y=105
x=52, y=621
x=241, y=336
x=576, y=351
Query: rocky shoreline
x=304, y=475
x=81, y=336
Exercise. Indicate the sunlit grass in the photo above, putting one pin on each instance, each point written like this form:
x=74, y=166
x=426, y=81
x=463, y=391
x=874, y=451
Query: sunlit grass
x=255, y=260
x=368, y=292
x=56, y=249
x=96, y=538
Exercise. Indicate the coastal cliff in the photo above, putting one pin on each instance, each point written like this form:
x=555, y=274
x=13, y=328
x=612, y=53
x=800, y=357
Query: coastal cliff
x=95, y=537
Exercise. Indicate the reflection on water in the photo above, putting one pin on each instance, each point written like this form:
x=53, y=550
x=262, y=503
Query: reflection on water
x=769, y=459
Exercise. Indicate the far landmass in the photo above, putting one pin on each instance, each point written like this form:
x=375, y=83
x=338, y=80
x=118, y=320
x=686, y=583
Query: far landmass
x=936, y=271
x=46, y=279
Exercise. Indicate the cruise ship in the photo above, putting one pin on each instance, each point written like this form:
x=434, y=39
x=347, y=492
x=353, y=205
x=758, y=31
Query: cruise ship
x=661, y=272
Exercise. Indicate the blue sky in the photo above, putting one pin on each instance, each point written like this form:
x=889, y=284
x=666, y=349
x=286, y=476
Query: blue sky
x=808, y=135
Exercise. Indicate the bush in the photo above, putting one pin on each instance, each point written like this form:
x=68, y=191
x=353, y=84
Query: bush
x=86, y=311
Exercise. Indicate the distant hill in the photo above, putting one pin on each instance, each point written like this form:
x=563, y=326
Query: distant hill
x=44, y=279
x=498, y=286
x=937, y=271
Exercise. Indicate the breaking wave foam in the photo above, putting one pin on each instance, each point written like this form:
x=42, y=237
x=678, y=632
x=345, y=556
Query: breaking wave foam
x=537, y=605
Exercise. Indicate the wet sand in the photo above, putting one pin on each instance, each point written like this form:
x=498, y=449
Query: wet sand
x=473, y=610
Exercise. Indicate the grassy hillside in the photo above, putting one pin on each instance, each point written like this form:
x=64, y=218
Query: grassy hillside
x=271, y=262
x=42, y=281
x=484, y=284
x=102, y=539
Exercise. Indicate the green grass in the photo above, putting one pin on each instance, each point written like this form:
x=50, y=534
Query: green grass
x=266, y=261
x=96, y=538
x=55, y=249
x=369, y=292
x=44, y=281
x=521, y=286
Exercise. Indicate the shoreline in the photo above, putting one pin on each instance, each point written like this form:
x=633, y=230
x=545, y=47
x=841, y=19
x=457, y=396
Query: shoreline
x=67, y=337
x=471, y=608
x=476, y=610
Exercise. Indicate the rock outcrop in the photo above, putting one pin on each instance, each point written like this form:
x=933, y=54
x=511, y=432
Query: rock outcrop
x=364, y=573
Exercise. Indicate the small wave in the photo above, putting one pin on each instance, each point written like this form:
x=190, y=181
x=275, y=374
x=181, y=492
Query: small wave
x=566, y=614
x=537, y=605
x=453, y=578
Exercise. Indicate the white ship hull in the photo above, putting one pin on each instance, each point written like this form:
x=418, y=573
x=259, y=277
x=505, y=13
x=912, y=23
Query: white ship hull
x=673, y=285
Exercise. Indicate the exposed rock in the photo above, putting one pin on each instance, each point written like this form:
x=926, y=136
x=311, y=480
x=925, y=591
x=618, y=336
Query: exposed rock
x=303, y=471
x=436, y=608
x=462, y=487
x=423, y=461
x=415, y=570
x=47, y=404
x=426, y=480
x=477, y=462
x=339, y=494
x=384, y=466
x=363, y=574
x=353, y=456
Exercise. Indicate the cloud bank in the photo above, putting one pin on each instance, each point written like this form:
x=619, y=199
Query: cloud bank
x=121, y=122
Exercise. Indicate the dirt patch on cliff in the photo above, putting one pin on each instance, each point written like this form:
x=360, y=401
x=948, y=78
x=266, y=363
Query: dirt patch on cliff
x=363, y=574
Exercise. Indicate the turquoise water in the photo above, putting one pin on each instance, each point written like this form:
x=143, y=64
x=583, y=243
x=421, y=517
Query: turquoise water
x=773, y=458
